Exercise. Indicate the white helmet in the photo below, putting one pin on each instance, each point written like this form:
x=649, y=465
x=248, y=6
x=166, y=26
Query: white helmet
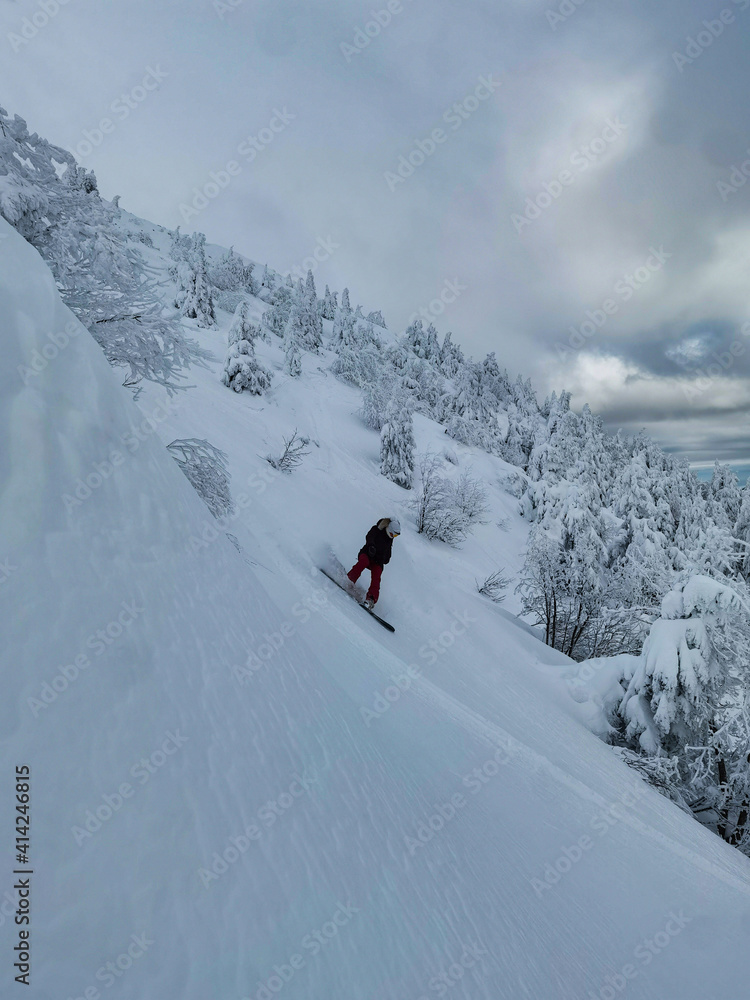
x=394, y=526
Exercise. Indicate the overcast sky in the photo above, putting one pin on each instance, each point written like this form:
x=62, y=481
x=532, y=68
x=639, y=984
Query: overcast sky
x=603, y=114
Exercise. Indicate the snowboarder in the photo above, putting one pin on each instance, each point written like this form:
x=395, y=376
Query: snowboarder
x=374, y=555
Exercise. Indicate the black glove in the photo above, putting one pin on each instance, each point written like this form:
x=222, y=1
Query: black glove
x=371, y=551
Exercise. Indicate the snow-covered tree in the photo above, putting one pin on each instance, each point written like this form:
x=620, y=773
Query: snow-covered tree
x=564, y=580
x=376, y=396
x=397, y=444
x=314, y=324
x=641, y=549
x=276, y=317
x=725, y=496
x=424, y=383
x=206, y=468
x=242, y=370
x=292, y=348
x=101, y=273
x=329, y=305
x=451, y=357
x=357, y=363
x=197, y=301
x=423, y=343
x=376, y=318
x=469, y=411
x=303, y=325
x=231, y=273
x=343, y=321
x=685, y=666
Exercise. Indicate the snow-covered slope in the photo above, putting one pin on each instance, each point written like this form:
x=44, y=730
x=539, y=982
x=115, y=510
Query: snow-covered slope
x=400, y=816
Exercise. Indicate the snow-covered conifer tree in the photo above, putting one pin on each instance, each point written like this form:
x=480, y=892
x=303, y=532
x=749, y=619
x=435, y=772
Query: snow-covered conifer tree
x=242, y=370
x=329, y=305
x=725, y=496
x=376, y=396
x=397, y=444
x=276, y=317
x=313, y=323
x=198, y=301
x=292, y=356
x=231, y=273
x=376, y=318
x=423, y=343
x=344, y=317
x=451, y=357
x=681, y=676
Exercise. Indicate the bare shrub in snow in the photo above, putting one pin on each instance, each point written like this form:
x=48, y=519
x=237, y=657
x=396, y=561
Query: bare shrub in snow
x=471, y=499
x=661, y=772
x=205, y=466
x=446, y=511
x=292, y=455
x=494, y=586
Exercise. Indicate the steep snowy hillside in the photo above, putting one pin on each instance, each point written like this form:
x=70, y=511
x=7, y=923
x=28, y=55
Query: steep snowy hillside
x=241, y=786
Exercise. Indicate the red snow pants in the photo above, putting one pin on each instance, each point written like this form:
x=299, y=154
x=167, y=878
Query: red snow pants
x=364, y=562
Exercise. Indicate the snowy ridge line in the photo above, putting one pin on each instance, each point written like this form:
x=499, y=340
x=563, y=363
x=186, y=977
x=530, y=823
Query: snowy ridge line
x=489, y=731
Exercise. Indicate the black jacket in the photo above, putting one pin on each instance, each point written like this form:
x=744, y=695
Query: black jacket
x=378, y=545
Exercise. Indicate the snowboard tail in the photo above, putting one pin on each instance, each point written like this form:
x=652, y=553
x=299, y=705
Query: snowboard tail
x=351, y=592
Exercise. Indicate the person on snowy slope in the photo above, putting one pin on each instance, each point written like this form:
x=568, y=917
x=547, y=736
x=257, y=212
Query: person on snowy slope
x=374, y=555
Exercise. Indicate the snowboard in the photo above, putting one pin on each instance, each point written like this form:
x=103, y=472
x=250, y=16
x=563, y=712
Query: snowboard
x=353, y=595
